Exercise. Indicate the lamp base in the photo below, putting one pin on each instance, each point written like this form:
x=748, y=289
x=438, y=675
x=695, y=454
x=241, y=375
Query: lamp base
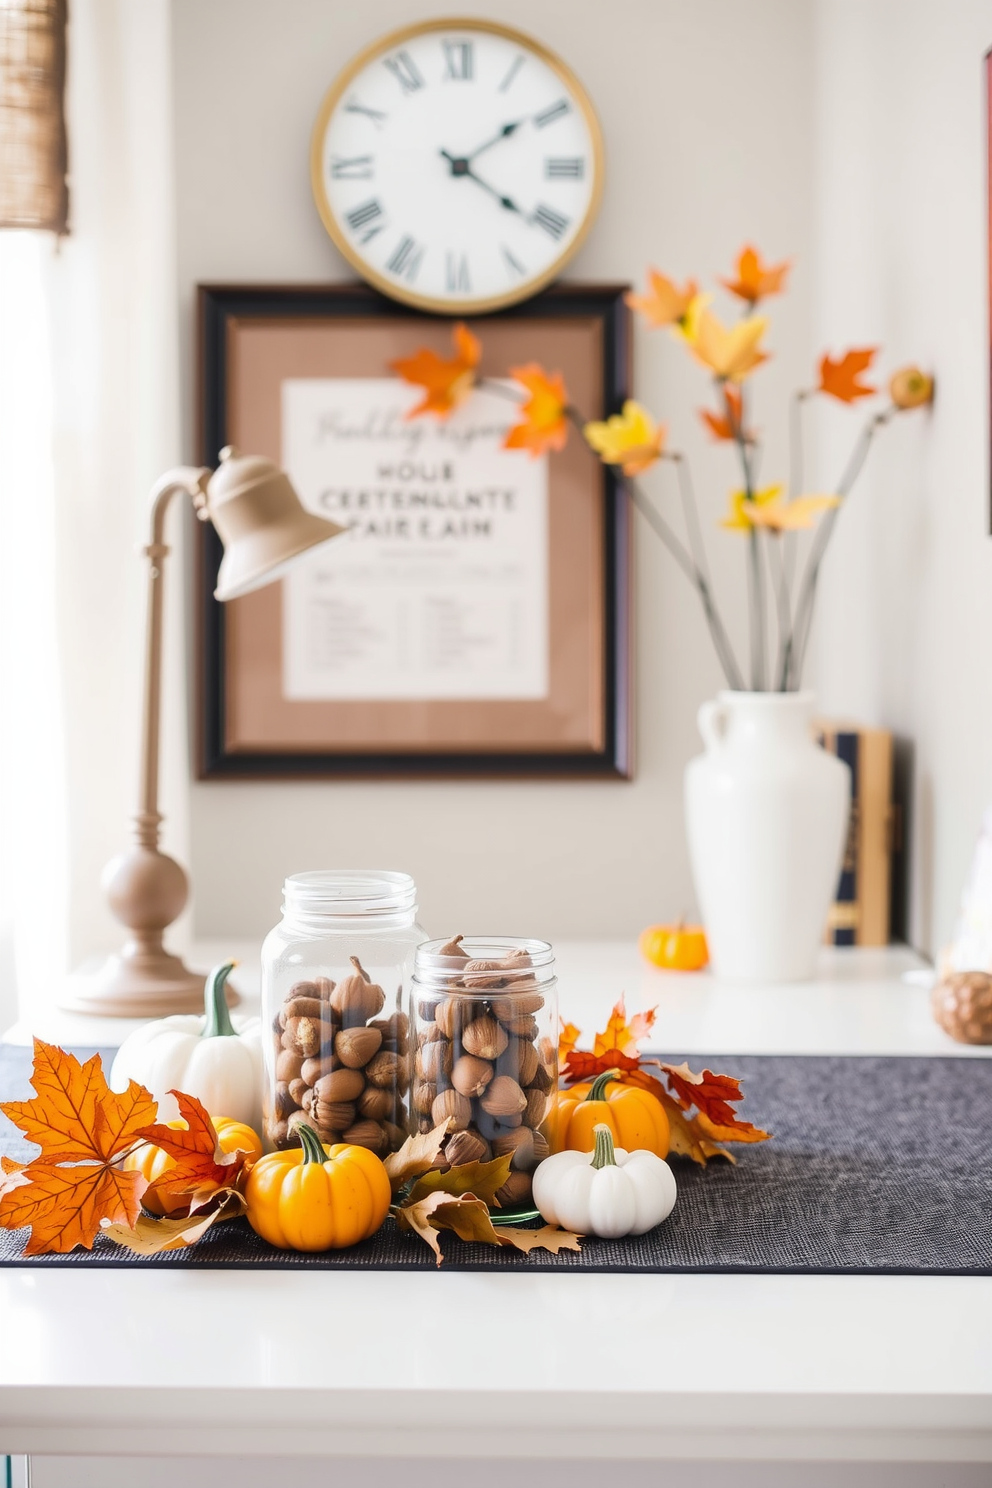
x=137, y=983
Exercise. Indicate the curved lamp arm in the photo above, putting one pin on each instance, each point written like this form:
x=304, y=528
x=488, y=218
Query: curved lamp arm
x=193, y=480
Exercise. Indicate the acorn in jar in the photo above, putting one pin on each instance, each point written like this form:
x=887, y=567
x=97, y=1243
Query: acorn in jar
x=484, y=1019
x=339, y=1065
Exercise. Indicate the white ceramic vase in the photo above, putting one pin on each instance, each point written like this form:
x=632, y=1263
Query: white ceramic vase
x=766, y=813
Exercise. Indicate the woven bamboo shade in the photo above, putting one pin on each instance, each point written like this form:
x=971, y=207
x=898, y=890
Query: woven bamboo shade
x=33, y=149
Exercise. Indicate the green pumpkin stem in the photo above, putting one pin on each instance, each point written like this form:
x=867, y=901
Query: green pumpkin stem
x=218, y=1023
x=604, y=1155
x=598, y=1091
x=313, y=1152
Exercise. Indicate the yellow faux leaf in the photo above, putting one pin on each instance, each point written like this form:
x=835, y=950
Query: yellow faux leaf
x=483, y=1179
x=630, y=439
x=730, y=354
x=743, y=514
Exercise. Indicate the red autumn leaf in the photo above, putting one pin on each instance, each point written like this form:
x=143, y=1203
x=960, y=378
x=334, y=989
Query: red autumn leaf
x=83, y=1129
x=840, y=379
x=583, y=1066
x=711, y=1095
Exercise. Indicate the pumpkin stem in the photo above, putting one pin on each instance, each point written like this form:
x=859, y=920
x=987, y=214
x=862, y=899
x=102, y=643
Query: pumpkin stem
x=604, y=1155
x=313, y=1151
x=218, y=1017
x=598, y=1091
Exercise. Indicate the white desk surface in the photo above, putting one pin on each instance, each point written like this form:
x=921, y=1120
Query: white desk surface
x=386, y=1364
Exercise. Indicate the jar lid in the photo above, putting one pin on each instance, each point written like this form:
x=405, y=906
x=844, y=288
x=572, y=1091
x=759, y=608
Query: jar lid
x=349, y=892
x=486, y=963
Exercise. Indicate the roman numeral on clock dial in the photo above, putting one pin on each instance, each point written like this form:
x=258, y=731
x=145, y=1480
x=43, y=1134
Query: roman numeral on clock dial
x=405, y=71
x=556, y=111
x=552, y=222
x=456, y=274
x=358, y=168
x=406, y=259
x=458, y=58
x=571, y=169
x=367, y=219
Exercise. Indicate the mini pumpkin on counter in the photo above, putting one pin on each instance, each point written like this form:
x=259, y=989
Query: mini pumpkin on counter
x=313, y=1197
x=636, y=1119
x=207, y=1057
x=607, y=1192
x=678, y=947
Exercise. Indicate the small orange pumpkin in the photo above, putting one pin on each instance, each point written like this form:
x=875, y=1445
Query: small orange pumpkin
x=675, y=947
x=153, y=1163
x=635, y=1117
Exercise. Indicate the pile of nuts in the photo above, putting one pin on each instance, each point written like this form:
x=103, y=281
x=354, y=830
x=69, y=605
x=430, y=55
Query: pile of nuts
x=481, y=1063
x=339, y=1066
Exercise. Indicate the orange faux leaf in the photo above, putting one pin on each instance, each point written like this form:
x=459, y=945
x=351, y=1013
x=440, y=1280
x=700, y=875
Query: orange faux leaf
x=664, y=304
x=840, y=379
x=756, y=279
x=581, y=1065
x=623, y=1034
x=728, y=425
x=83, y=1129
x=446, y=382
x=544, y=414
x=200, y=1166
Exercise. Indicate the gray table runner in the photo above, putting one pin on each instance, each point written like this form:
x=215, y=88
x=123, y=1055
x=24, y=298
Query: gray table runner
x=877, y=1165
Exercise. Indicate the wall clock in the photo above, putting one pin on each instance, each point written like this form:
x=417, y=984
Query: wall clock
x=457, y=165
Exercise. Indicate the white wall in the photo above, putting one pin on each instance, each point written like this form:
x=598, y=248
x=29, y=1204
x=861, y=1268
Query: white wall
x=905, y=626
x=707, y=108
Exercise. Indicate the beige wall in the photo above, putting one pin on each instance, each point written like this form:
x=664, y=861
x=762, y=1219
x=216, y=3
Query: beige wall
x=905, y=629
x=708, y=113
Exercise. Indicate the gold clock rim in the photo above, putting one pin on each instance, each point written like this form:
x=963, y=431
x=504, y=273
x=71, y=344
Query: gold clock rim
x=372, y=276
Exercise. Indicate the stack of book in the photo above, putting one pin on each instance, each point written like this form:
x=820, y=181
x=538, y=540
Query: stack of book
x=862, y=911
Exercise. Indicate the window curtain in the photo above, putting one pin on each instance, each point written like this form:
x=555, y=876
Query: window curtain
x=89, y=417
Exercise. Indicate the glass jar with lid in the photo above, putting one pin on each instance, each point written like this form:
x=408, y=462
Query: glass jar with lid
x=336, y=974
x=484, y=1033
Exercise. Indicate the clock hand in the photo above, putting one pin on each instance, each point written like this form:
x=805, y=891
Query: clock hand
x=504, y=133
x=461, y=166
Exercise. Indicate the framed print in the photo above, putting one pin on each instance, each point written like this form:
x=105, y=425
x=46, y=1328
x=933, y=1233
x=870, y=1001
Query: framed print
x=474, y=619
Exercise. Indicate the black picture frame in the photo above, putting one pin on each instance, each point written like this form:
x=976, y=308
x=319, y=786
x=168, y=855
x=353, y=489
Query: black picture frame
x=220, y=307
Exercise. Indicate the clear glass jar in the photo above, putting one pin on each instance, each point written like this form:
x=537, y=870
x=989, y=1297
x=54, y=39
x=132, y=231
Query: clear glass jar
x=484, y=1021
x=335, y=980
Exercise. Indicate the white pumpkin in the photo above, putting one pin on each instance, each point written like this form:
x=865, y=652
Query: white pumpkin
x=608, y=1192
x=213, y=1058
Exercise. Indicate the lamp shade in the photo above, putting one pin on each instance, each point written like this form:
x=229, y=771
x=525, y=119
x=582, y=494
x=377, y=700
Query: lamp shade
x=261, y=522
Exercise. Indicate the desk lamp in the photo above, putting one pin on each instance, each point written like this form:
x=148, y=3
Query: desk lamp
x=264, y=529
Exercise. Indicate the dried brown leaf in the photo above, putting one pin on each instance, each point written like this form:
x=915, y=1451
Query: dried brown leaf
x=548, y=1238
x=483, y=1179
x=417, y=1155
x=148, y=1236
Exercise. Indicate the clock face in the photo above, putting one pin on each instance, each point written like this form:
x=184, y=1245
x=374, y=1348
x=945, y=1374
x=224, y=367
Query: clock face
x=457, y=165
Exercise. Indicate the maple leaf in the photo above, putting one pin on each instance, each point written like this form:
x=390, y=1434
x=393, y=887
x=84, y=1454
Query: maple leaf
x=623, y=1033
x=840, y=379
x=712, y=1096
x=630, y=439
x=729, y=425
x=544, y=422
x=10, y=1174
x=548, y=1238
x=83, y=1129
x=756, y=279
x=567, y=1040
x=417, y=1155
x=149, y=1236
x=446, y=382
x=582, y=1066
x=684, y=1137
x=199, y=1164
x=767, y=509
x=483, y=1179
x=664, y=304
x=729, y=353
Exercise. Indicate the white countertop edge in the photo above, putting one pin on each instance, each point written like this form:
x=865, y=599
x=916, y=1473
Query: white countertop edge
x=702, y=1426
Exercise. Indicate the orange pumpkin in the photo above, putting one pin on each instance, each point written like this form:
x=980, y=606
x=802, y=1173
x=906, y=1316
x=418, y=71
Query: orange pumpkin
x=675, y=947
x=153, y=1163
x=635, y=1117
